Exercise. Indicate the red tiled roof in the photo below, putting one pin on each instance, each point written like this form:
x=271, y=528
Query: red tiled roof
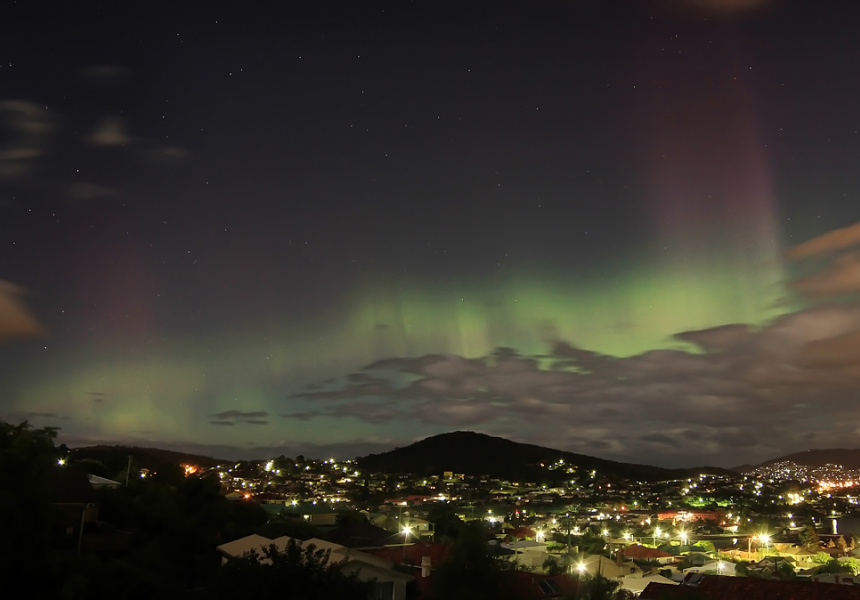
x=521, y=532
x=723, y=587
x=535, y=586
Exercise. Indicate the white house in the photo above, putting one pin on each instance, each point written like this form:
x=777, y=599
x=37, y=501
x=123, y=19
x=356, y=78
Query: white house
x=529, y=553
x=388, y=583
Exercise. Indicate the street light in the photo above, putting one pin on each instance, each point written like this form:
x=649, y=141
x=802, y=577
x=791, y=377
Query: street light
x=406, y=531
x=765, y=538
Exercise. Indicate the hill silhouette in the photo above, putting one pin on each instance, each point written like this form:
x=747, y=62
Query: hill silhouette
x=473, y=453
x=112, y=461
x=847, y=457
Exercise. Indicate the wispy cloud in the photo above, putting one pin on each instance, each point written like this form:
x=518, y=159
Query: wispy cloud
x=31, y=127
x=16, y=320
x=738, y=391
x=110, y=131
x=234, y=417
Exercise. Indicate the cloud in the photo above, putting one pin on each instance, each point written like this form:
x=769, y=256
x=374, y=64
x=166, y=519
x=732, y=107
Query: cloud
x=165, y=154
x=29, y=128
x=358, y=385
x=85, y=190
x=238, y=414
x=16, y=321
x=45, y=415
x=98, y=396
x=838, y=239
x=717, y=338
x=302, y=416
x=659, y=438
x=106, y=74
x=842, y=275
x=110, y=131
x=838, y=351
x=753, y=392
x=234, y=417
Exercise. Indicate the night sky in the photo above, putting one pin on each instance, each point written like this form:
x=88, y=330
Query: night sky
x=625, y=229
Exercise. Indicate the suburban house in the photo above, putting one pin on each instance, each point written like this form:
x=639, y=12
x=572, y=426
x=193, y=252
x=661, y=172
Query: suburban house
x=388, y=583
x=529, y=553
x=722, y=587
x=639, y=552
x=100, y=482
x=721, y=567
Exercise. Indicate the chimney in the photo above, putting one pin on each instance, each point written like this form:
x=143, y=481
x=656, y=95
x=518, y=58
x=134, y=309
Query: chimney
x=425, y=566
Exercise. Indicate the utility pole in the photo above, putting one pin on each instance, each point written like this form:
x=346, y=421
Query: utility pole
x=128, y=470
x=81, y=530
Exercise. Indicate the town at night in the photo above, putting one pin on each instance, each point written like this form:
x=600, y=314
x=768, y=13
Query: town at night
x=422, y=300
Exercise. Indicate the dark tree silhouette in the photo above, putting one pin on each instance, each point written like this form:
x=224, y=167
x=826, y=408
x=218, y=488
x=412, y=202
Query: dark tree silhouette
x=469, y=572
x=304, y=573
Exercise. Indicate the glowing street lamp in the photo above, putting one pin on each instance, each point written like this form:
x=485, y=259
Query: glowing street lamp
x=406, y=531
x=765, y=538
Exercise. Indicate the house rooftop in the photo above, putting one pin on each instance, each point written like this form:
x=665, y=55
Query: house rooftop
x=638, y=551
x=722, y=587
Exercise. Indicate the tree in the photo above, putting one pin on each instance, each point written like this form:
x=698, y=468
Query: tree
x=742, y=568
x=809, y=538
x=28, y=467
x=704, y=546
x=598, y=588
x=446, y=523
x=786, y=571
x=553, y=566
x=834, y=566
x=297, y=572
x=469, y=572
x=592, y=542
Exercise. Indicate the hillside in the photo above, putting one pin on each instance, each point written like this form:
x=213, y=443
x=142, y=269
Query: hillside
x=478, y=454
x=112, y=461
x=848, y=458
